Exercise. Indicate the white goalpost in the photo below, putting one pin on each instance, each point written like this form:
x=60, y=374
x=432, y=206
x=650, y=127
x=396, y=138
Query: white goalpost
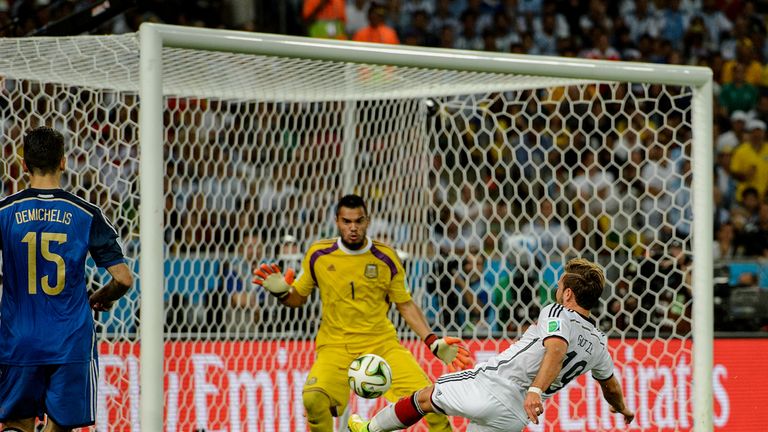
x=214, y=150
x=155, y=37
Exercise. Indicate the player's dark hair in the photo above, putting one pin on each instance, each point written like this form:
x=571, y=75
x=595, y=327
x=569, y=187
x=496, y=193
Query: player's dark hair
x=351, y=201
x=43, y=150
x=586, y=280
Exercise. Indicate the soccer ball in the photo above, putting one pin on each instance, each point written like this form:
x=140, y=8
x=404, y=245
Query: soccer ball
x=369, y=376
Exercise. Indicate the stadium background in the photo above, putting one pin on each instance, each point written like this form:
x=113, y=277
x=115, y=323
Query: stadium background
x=703, y=37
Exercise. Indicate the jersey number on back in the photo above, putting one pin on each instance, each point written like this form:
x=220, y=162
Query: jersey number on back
x=45, y=251
x=572, y=373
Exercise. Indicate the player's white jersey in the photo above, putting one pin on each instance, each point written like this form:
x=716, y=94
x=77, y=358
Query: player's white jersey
x=587, y=351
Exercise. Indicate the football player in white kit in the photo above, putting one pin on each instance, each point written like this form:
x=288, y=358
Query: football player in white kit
x=507, y=392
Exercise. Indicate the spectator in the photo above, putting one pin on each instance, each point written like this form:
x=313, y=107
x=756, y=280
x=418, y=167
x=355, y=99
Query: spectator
x=596, y=17
x=483, y=10
x=409, y=7
x=715, y=22
x=749, y=162
x=725, y=245
x=377, y=30
x=467, y=210
x=530, y=8
x=746, y=212
x=681, y=214
x=724, y=181
x=756, y=28
x=545, y=36
x=325, y=18
x=234, y=307
x=447, y=37
x=504, y=31
x=622, y=229
x=602, y=50
x=418, y=33
x=289, y=253
x=591, y=188
x=469, y=38
x=721, y=215
x=729, y=46
x=357, y=15
x=628, y=142
x=761, y=110
x=443, y=17
x=551, y=237
x=441, y=283
x=517, y=287
x=746, y=56
x=673, y=23
x=729, y=140
x=561, y=28
x=450, y=241
x=739, y=94
x=690, y=6
x=476, y=288
x=658, y=172
x=755, y=234
x=696, y=42
x=622, y=310
x=663, y=290
x=642, y=21
x=277, y=189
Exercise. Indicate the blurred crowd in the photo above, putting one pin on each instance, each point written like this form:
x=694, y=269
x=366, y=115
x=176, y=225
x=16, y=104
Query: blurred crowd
x=518, y=186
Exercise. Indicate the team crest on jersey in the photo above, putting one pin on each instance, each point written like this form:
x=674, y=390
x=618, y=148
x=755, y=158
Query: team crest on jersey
x=553, y=325
x=371, y=271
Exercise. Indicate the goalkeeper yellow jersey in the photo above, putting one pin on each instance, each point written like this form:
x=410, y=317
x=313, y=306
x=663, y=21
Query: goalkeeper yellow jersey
x=356, y=289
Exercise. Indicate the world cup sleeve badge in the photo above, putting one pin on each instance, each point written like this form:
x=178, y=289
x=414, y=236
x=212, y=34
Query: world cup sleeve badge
x=553, y=325
x=371, y=271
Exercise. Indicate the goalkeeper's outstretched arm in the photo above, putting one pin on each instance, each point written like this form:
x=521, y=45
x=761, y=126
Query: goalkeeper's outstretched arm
x=293, y=299
x=278, y=284
x=447, y=349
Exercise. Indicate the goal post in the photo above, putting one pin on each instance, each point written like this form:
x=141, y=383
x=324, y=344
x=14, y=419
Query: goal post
x=211, y=151
x=156, y=36
x=151, y=400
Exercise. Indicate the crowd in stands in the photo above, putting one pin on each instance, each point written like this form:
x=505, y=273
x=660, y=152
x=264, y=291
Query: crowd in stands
x=499, y=235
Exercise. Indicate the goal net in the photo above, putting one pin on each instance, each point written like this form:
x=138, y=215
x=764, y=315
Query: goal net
x=486, y=183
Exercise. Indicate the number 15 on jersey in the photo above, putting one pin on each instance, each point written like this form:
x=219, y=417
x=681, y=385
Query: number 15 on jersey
x=43, y=243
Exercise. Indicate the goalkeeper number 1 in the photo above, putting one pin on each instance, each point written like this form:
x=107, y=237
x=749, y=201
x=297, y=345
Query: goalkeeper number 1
x=358, y=279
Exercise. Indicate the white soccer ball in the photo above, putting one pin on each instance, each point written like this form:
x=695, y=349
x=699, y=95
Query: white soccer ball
x=369, y=376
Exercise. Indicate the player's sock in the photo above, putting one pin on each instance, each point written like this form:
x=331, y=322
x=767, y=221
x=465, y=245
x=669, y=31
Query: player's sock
x=399, y=415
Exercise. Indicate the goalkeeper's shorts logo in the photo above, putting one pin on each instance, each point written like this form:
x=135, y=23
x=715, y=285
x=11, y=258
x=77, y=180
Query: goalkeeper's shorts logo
x=371, y=271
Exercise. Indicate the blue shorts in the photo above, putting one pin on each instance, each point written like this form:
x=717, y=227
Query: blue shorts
x=65, y=392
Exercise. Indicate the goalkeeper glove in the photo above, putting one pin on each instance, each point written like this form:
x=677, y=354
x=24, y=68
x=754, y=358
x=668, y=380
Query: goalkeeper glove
x=272, y=279
x=449, y=351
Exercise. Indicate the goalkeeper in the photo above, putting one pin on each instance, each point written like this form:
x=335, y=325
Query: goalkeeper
x=357, y=278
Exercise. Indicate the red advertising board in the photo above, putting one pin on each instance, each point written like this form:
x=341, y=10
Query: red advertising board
x=256, y=386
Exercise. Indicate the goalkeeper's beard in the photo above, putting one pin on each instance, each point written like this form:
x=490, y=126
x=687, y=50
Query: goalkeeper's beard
x=353, y=246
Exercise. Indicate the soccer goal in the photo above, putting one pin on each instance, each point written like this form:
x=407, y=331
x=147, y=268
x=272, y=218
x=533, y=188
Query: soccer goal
x=213, y=150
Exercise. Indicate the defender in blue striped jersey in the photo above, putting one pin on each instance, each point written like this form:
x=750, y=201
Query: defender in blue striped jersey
x=506, y=392
x=48, y=355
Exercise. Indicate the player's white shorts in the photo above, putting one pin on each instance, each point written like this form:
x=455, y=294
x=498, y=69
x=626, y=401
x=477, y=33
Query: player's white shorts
x=466, y=394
